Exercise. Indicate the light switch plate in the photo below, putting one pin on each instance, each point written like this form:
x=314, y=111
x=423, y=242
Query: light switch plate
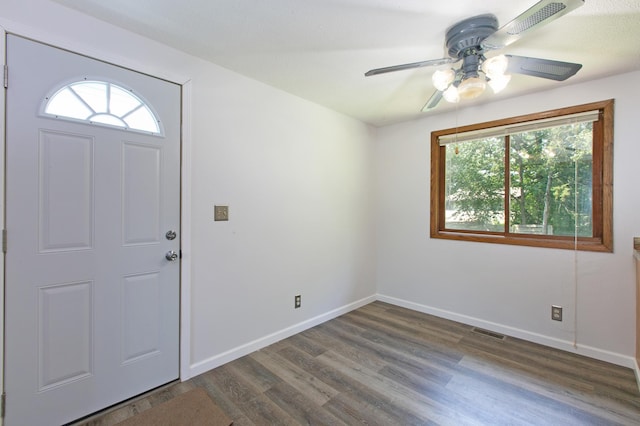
x=220, y=212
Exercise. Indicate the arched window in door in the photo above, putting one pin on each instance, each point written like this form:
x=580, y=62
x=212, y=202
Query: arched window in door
x=102, y=103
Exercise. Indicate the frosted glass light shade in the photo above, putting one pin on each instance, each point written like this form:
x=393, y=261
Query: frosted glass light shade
x=451, y=95
x=497, y=83
x=443, y=78
x=495, y=66
x=471, y=88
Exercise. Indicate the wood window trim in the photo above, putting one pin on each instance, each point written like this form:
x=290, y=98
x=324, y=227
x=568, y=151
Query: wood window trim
x=602, y=240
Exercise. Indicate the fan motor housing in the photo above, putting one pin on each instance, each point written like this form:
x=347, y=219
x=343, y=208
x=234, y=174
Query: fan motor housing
x=469, y=34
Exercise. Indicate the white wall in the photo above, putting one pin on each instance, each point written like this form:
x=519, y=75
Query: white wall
x=298, y=180
x=509, y=288
x=297, y=177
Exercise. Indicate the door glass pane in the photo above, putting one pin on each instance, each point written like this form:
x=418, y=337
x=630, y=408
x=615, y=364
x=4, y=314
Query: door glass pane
x=104, y=103
x=65, y=103
x=121, y=102
x=93, y=93
x=474, y=185
x=142, y=119
x=108, y=119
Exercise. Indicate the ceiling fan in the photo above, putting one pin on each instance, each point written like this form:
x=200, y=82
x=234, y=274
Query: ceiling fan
x=469, y=40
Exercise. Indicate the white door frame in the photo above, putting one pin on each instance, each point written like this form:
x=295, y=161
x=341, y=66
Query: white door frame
x=185, y=178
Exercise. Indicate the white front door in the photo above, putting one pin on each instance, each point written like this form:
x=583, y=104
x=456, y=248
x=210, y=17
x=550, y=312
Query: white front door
x=92, y=302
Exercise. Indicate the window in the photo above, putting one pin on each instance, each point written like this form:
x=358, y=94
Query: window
x=540, y=180
x=102, y=103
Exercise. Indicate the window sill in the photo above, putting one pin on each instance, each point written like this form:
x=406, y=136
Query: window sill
x=530, y=241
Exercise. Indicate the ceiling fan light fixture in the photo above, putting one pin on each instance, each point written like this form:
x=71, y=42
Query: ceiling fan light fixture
x=443, y=78
x=451, y=94
x=498, y=83
x=471, y=88
x=470, y=39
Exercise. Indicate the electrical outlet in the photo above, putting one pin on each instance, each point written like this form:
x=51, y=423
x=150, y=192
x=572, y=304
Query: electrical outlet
x=297, y=302
x=220, y=213
x=556, y=313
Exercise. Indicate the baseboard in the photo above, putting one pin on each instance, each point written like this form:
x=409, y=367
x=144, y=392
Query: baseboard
x=568, y=346
x=636, y=369
x=240, y=351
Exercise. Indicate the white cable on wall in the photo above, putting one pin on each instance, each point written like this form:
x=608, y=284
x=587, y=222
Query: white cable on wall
x=575, y=257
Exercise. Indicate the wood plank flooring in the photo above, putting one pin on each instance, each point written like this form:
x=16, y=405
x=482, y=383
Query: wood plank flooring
x=386, y=365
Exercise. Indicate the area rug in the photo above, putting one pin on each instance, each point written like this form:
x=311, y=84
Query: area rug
x=192, y=408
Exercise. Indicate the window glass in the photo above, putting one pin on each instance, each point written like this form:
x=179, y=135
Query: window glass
x=550, y=181
x=474, y=185
x=103, y=103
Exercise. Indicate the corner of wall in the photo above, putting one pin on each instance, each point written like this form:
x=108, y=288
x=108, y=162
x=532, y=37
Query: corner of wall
x=240, y=351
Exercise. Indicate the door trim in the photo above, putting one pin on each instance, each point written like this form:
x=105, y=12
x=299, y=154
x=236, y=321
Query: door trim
x=185, y=175
x=3, y=94
x=185, y=226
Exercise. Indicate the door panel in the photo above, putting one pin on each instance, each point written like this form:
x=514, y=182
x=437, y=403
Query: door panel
x=141, y=316
x=66, y=191
x=141, y=194
x=65, y=334
x=91, y=301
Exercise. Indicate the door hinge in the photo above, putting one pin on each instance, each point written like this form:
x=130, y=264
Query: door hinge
x=3, y=402
x=4, y=240
x=6, y=76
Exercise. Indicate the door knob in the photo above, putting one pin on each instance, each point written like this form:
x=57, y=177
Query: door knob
x=171, y=255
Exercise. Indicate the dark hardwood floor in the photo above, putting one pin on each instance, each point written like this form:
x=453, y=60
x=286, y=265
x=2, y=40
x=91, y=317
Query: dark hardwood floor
x=385, y=365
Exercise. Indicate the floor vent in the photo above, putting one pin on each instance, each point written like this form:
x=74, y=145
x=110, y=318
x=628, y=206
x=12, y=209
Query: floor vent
x=487, y=333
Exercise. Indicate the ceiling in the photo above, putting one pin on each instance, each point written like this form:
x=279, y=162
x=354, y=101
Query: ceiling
x=320, y=49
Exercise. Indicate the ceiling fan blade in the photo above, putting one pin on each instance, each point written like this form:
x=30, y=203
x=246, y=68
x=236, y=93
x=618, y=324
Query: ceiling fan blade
x=541, y=13
x=433, y=101
x=544, y=68
x=432, y=62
